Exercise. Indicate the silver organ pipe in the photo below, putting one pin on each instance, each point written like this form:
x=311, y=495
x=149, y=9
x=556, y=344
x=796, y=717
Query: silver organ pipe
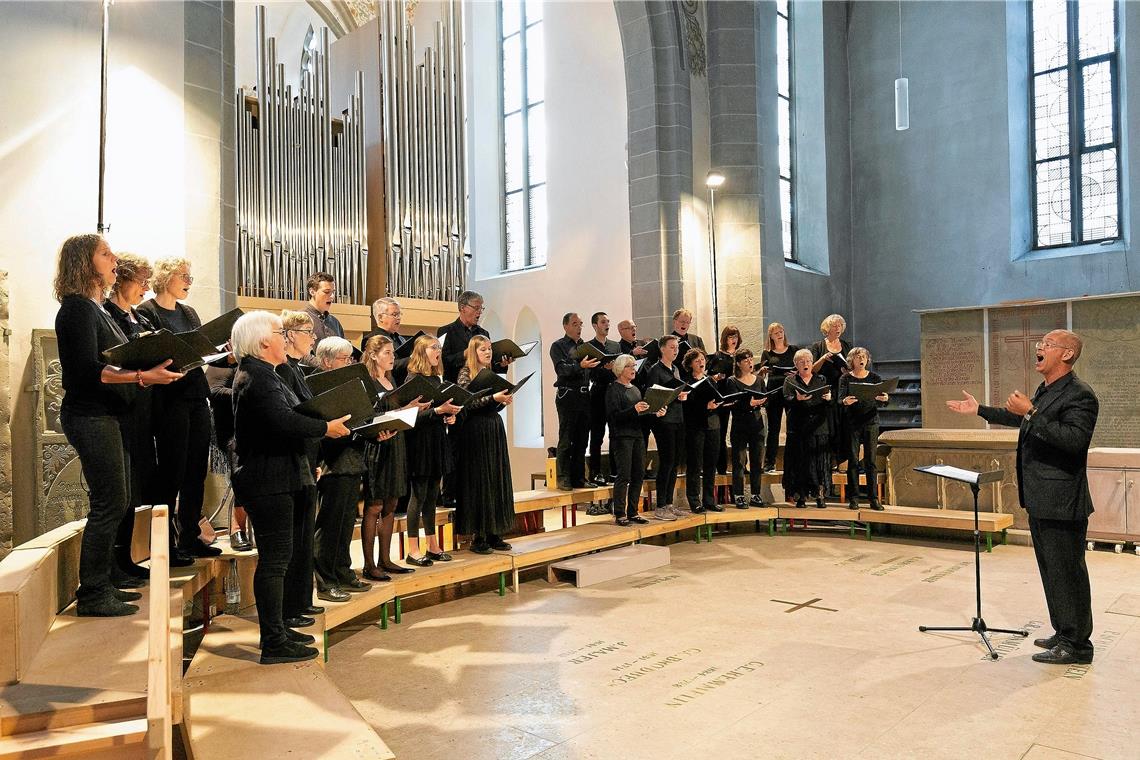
x=300, y=181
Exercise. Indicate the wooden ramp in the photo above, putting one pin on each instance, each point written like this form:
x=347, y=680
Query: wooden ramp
x=238, y=708
x=608, y=565
x=529, y=551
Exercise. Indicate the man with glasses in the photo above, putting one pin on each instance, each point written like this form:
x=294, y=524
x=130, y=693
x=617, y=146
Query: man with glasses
x=1055, y=428
x=458, y=334
x=387, y=314
x=322, y=294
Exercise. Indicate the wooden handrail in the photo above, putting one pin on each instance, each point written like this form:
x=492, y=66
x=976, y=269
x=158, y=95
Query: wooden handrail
x=158, y=717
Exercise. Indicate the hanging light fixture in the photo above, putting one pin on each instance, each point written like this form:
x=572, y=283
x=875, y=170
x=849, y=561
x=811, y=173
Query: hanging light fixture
x=902, y=88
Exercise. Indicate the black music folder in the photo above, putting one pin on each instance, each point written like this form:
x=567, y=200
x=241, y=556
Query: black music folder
x=153, y=349
x=589, y=349
x=405, y=349
x=319, y=382
x=217, y=330
x=720, y=364
x=866, y=392
x=814, y=393
x=416, y=385
x=507, y=347
x=350, y=398
x=487, y=380
x=658, y=397
x=400, y=419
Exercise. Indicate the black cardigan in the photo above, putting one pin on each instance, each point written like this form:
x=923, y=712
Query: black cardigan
x=83, y=332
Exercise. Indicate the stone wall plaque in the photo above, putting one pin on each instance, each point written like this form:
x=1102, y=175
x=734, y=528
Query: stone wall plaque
x=1110, y=363
x=953, y=359
x=1013, y=332
x=60, y=492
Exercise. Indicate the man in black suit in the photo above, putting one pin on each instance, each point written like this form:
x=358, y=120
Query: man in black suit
x=456, y=335
x=682, y=318
x=600, y=380
x=1055, y=430
x=387, y=314
x=572, y=400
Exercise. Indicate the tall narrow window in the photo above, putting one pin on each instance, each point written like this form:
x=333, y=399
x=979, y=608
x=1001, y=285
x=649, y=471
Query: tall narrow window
x=784, y=125
x=1074, y=91
x=524, y=133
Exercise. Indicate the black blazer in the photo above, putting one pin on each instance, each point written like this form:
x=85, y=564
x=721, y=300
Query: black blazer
x=1053, y=449
x=269, y=437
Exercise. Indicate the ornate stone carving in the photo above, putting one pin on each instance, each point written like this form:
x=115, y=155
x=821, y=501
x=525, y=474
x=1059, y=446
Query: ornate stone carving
x=693, y=38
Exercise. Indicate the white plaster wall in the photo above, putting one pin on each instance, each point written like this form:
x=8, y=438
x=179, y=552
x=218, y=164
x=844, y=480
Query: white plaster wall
x=285, y=20
x=588, y=264
x=49, y=160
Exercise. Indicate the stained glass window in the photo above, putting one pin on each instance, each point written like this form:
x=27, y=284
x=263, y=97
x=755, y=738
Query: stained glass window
x=784, y=124
x=522, y=83
x=1075, y=121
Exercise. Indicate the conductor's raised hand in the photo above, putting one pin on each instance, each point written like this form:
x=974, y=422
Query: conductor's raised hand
x=337, y=428
x=1018, y=403
x=160, y=375
x=967, y=405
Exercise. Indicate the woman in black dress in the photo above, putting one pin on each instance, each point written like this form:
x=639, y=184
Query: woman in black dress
x=97, y=398
x=181, y=413
x=702, y=431
x=485, y=495
x=271, y=477
x=776, y=365
x=807, y=455
x=748, y=431
x=386, y=458
x=862, y=425
x=429, y=459
x=721, y=368
x=830, y=361
x=132, y=278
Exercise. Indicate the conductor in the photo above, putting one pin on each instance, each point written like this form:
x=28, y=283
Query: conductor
x=1055, y=429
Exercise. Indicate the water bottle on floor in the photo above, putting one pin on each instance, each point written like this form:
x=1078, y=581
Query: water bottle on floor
x=232, y=587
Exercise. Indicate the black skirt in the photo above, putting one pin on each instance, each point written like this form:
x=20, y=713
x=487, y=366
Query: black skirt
x=387, y=463
x=485, y=495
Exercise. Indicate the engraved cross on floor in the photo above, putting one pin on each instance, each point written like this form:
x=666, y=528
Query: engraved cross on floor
x=800, y=605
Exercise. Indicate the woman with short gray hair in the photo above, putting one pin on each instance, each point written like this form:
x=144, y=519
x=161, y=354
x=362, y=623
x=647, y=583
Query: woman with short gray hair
x=624, y=408
x=271, y=476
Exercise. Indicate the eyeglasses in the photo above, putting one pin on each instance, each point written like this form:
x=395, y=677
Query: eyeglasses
x=1049, y=344
x=307, y=331
x=394, y=314
x=187, y=278
x=282, y=333
x=477, y=309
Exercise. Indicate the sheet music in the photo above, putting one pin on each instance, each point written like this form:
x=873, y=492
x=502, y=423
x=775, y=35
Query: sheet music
x=949, y=471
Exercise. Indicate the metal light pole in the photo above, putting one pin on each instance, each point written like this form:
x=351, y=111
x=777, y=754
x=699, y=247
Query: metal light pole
x=101, y=227
x=714, y=180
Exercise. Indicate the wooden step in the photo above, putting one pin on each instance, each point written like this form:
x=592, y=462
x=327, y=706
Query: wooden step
x=931, y=517
x=608, y=565
x=30, y=707
x=122, y=740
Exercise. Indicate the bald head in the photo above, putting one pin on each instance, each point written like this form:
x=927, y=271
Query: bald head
x=1066, y=339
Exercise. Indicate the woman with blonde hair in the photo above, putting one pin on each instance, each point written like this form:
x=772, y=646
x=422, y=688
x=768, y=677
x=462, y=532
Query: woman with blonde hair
x=862, y=419
x=97, y=398
x=386, y=459
x=776, y=360
x=830, y=354
x=181, y=413
x=429, y=459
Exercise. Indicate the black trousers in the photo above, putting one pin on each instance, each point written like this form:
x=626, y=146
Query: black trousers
x=1060, y=549
x=182, y=442
x=722, y=449
x=670, y=448
x=597, y=432
x=627, y=456
x=774, y=408
x=700, y=466
x=138, y=442
x=272, y=518
x=573, y=408
x=747, y=444
x=421, y=506
x=335, y=521
x=866, y=436
x=298, y=591
x=98, y=440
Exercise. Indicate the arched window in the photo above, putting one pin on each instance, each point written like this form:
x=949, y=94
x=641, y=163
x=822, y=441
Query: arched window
x=1075, y=121
x=522, y=89
x=784, y=114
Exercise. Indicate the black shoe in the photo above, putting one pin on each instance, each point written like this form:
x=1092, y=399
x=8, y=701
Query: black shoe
x=179, y=558
x=875, y=505
x=105, y=607
x=438, y=556
x=288, y=652
x=853, y=504
x=354, y=586
x=800, y=504
x=820, y=503
x=639, y=520
x=622, y=521
x=301, y=621
x=1048, y=643
x=122, y=580
x=500, y=545
x=741, y=503
x=582, y=484
x=419, y=561
x=124, y=565
x=714, y=508
x=239, y=542
x=697, y=510
x=198, y=549
x=1062, y=655
x=756, y=501
x=562, y=486
x=447, y=501
x=333, y=594
x=126, y=596
x=770, y=467
x=651, y=475
x=396, y=569
x=313, y=609
x=482, y=549
x=298, y=638
x=597, y=509
x=373, y=574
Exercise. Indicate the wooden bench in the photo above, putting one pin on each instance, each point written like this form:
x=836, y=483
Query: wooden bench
x=733, y=515
x=840, y=479
x=989, y=523
x=830, y=513
x=238, y=708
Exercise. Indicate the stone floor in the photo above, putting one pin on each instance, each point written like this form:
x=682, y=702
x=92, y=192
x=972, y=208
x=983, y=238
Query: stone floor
x=713, y=656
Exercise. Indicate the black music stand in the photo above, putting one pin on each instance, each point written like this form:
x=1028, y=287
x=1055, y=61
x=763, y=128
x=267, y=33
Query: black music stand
x=975, y=480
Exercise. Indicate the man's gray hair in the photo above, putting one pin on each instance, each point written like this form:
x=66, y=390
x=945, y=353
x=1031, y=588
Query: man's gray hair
x=332, y=347
x=468, y=296
x=380, y=306
x=250, y=330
